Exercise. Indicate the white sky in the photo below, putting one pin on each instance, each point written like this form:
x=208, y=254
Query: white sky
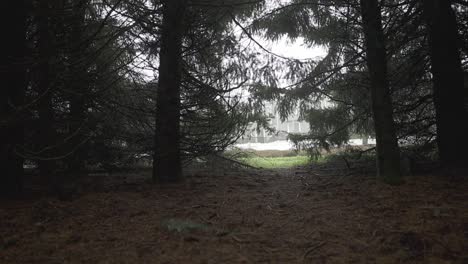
x=292, y=49
x=284, y=47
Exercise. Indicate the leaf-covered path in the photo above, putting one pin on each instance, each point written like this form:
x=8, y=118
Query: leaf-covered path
x=303, y=215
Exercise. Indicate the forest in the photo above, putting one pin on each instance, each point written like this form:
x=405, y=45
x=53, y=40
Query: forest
x=119, y=121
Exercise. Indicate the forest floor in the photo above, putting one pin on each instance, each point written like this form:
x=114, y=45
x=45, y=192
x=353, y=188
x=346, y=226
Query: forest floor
x=317, y=214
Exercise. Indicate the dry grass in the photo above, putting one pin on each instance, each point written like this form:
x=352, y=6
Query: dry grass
x=323, y=215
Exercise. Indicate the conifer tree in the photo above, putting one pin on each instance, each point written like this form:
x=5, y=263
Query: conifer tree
x=388, y=156
x=12, y=95
x=448, y=83
x=167, y=161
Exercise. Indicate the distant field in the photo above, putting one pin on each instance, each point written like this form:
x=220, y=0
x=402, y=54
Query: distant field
x=276, y=162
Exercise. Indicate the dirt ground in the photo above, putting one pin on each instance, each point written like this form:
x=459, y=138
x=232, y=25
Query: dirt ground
x=320, y=214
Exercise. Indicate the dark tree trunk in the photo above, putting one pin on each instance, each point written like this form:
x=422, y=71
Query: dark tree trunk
x=449, y=91
x=388, y=155
x=44, y=88
x=12, y=92
x=167, y=160
x=79, y=89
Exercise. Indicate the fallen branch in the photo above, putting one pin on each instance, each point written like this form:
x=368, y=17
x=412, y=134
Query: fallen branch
x=313, y=248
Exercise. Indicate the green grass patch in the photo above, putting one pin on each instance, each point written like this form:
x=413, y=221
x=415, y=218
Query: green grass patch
x=276, y=162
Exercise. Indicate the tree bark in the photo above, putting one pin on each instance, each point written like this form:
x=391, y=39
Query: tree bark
x=12, y=93
x=79, y=88
x=448, y=83
x=44, y=87
x=167, y=161
x=388, y=156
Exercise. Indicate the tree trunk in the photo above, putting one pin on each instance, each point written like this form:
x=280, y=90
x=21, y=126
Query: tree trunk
x=12, y=93
x=448, y=84
x=388, y=156
x=44, y=88
x=79, y=88
x=167, y=160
